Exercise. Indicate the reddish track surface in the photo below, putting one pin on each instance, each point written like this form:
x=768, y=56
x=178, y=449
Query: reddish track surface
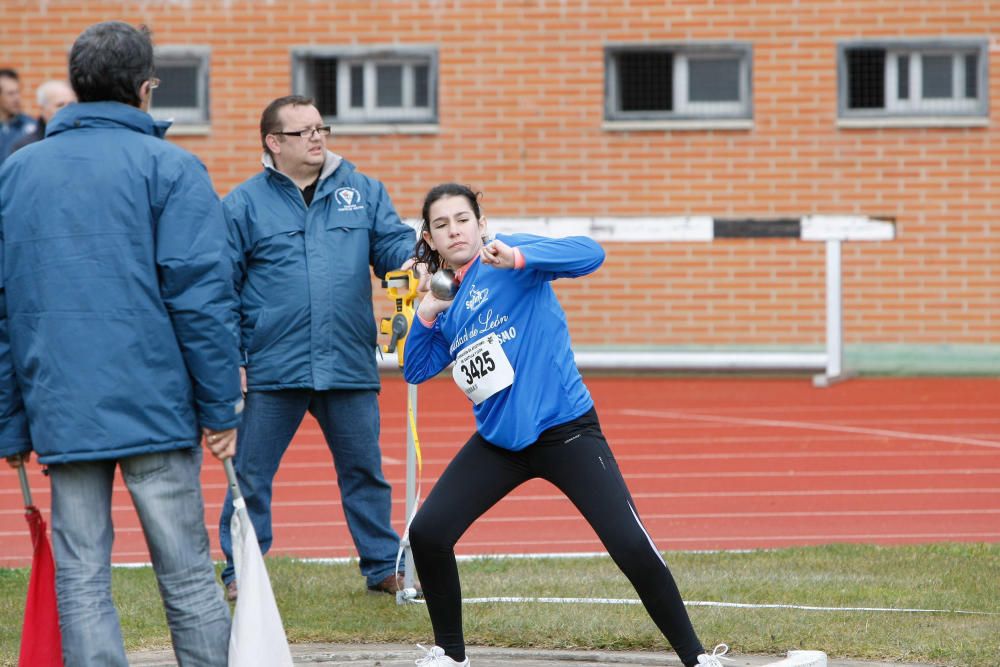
x=716, y=463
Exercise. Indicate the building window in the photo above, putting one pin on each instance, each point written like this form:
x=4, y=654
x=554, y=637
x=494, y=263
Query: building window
x=374, y=85
x=682, y=82
x=183, y=92
x=913, y=79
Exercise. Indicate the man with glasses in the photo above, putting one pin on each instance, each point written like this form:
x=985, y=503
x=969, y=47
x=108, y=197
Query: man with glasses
x=306, y=233
x=117, y=348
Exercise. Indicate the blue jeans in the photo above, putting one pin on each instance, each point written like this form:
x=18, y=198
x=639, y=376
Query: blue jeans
x=350, y=423
x=166, y=492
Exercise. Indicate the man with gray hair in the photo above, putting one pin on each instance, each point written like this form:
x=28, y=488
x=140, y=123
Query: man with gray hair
x=52, y=96
x=118, y=346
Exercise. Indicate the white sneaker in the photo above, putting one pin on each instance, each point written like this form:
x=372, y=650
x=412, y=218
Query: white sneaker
x=716, y=658
x=436, y=658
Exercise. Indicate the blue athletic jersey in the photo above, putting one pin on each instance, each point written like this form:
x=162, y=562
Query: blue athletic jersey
x=521, y=308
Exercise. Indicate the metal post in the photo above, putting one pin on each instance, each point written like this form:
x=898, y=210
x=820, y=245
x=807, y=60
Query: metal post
x=834, y=317
x=22, y=473
x=234, y=487
x=409, y=577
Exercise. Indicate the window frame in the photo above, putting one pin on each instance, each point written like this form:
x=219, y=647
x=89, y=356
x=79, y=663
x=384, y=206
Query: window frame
x=369, y=58
x=684, y=109
x=916, y=107
x=179, y=55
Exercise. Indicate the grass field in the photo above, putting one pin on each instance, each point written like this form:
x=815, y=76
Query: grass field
x=328, y=603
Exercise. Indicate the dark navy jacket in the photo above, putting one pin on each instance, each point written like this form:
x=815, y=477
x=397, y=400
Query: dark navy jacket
x=13, y=131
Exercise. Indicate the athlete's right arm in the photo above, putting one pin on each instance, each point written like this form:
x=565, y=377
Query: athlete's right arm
x=426, y=352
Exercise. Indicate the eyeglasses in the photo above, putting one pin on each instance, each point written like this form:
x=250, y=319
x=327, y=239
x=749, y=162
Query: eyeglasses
x=154, y=83
x=323, y=131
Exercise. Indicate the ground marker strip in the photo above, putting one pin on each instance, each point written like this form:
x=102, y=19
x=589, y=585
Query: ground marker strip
x=738, y=605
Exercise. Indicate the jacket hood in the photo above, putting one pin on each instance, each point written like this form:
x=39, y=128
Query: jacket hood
x=106, y=115
x=330, y=163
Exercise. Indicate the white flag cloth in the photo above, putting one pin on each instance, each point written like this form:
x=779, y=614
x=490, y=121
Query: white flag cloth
x=258, y=637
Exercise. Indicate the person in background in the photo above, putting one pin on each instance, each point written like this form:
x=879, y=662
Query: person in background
x=306, y=233
x=13, y=123
x=117, y=347
x=507, y=335
x=52, y=96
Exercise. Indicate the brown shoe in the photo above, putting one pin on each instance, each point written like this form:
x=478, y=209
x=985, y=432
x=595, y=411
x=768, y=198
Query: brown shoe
x=393, y=584
x=231, y=591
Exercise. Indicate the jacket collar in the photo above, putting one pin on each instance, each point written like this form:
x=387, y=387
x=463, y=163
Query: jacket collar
x=330, y=164
x=106, y=115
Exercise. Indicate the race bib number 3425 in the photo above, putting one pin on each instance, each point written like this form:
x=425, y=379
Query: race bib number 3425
x=482, y=369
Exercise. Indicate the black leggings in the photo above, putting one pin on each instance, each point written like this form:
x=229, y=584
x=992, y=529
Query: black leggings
x=576, y=458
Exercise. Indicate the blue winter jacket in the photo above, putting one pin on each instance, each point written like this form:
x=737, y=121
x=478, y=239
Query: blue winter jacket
x=304, y=275
x=115, y=293
x=521, y=309
x=13, y=131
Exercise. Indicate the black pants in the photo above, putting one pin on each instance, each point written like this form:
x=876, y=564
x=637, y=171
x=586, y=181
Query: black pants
x=576, y=458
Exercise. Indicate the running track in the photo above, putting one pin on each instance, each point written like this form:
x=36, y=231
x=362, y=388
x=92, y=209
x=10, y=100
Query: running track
x=713, y=463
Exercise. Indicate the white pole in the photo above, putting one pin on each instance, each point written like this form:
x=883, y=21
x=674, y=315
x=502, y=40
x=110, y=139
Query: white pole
x=834, y=316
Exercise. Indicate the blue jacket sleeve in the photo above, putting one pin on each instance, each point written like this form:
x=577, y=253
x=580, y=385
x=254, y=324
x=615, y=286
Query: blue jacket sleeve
x=14, y=436
x=426, y=353
x=569, y=257
x=236, y=226
x=196, y=284
x=393, y=240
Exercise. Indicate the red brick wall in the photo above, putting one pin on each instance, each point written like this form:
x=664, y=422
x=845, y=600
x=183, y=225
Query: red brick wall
x=521, y=105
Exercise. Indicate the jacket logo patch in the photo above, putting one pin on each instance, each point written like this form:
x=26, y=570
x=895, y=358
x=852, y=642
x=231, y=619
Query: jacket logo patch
x=349, y=199
x=476, y=297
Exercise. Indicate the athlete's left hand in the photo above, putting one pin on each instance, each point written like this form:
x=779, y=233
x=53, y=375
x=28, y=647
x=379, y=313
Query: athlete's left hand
x=420, y=272
x=498, y=255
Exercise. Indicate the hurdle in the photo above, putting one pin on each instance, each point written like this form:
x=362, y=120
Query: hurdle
x=832, y=230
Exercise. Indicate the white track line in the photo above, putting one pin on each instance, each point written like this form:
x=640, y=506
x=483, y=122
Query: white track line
x=744, y=421
x=799, y=538
x=616, y=429
x=651, y=516
x=520, y=496
x=482, y=548
x=621, y=453
x=737, y=605
x=700, y=440
x=647, y=516
x=785, y=456
x=901, y=472
x=851, y=409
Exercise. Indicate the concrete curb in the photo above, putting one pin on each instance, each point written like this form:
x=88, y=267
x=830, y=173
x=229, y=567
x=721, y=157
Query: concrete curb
x=400, y=655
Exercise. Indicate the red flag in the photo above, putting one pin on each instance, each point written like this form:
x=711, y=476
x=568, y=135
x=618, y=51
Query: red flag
x=41, y=642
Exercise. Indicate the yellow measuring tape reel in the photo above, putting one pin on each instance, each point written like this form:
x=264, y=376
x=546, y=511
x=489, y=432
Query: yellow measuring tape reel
x=401, y=288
